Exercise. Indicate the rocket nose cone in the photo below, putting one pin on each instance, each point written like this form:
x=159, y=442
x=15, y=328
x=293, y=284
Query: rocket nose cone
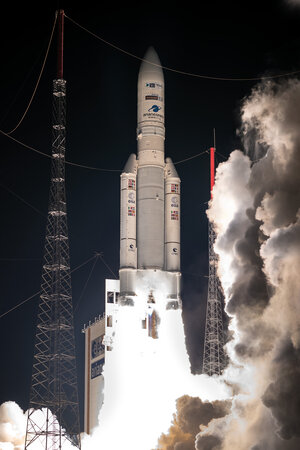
x=151, y=63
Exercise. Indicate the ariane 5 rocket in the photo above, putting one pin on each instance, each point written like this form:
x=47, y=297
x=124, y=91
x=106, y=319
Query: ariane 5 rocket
x=150, y=200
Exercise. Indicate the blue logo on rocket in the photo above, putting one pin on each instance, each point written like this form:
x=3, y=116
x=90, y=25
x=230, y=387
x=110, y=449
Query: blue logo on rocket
x=154, y=108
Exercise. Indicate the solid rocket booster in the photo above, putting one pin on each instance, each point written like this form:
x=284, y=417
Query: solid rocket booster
x=150, y=195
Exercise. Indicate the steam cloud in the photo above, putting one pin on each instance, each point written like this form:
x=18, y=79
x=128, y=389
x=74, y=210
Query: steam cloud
x=257, y=217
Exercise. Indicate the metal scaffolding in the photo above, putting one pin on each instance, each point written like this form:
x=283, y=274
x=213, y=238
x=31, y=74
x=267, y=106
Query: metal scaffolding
x=214, y=359
x=54, y=376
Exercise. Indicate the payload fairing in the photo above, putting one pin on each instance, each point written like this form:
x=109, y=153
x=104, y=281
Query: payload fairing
x=150, y=199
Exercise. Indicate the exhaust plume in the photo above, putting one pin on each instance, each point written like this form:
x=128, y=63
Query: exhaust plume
x=191, y=414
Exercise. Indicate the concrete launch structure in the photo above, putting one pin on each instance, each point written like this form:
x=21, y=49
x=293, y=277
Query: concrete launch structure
x=149, y=237
x=94, y=382
x=150, y=197
x=98, y=336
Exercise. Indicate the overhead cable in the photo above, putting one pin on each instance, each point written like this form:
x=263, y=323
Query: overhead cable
x=19, y=259
x=191, y=157
x=86, y=283
x=50, y=157
x=22, y=200
x=37, y=293
x=105, y=263
x=181, y=72
x=82, y=165
x=38, y=80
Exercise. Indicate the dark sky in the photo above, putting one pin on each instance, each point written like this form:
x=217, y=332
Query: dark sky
x=242, y=39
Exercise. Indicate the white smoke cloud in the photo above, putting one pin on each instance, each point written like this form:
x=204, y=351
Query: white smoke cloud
x=259, y=248
x=12, y=426
x=13, y=422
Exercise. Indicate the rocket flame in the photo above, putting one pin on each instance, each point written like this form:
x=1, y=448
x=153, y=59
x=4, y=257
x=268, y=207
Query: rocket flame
x=144, y=377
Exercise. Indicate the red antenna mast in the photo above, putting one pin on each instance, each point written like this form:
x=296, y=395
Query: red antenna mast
x=212, y=170
x=212, y=165
x=60, y=48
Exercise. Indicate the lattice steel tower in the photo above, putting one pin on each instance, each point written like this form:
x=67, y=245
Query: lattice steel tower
x=54, y=377
x=214, y=359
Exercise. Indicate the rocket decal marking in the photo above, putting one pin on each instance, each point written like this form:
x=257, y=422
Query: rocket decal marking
x=175, y=188
x=131, y=184
x=153, y=97
x=131, y=197
x=174, y=215
x=153, y=85
x=154, y=108
x=131, y=210
x=174, y=202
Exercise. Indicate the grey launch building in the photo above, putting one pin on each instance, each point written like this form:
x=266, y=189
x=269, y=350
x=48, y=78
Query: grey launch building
x=149, y=236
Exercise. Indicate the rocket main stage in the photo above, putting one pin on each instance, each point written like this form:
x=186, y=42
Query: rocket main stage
x=150, y=200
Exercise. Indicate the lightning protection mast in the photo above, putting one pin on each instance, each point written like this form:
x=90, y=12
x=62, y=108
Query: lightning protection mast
x=214, y=360
x=54, y=378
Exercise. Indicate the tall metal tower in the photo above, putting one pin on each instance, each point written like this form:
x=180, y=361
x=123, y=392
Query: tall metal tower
x=54, y=377
x=214, y=359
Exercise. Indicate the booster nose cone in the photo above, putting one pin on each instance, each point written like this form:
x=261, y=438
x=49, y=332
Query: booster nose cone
x=151, y=105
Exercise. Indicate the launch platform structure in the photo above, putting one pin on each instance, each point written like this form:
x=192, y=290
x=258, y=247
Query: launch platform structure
x=54, y=377
x=214, y=359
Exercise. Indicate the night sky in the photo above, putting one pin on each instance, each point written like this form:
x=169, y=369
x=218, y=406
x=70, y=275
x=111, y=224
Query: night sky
x=221, y=39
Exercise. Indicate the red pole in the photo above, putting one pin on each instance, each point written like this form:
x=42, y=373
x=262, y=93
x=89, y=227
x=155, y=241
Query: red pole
x=212, y=170
x=60, y=49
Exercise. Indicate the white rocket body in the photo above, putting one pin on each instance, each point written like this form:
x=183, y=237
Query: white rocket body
x=150, y=199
